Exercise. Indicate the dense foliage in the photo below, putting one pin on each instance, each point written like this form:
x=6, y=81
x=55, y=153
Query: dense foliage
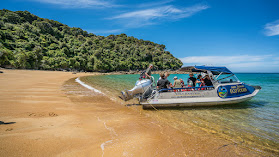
x=30, y=42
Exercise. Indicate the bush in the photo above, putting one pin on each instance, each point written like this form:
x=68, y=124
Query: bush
x=28, y=41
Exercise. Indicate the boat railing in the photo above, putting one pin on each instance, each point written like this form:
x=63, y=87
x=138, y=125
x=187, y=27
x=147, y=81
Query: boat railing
x=186, y=89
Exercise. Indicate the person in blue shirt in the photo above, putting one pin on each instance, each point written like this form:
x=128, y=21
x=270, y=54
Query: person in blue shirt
x=199, y=81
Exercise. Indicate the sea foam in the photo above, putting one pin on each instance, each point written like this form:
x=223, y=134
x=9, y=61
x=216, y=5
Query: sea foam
x=87, y=86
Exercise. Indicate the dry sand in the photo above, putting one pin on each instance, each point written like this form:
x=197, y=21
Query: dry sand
x=46, y=113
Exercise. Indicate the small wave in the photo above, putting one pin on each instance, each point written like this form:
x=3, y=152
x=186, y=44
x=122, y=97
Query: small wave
x=112, y=134
x=103, y=146
x=87, y=86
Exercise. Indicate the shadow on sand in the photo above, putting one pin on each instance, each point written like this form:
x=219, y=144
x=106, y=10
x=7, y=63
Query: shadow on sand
x=3, y=123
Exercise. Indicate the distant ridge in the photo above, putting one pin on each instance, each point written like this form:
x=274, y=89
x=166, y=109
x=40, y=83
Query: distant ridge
x=30, y=42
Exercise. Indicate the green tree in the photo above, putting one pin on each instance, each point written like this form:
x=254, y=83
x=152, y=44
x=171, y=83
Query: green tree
x=28, y=41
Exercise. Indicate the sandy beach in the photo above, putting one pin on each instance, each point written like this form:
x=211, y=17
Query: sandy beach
x=47, y=113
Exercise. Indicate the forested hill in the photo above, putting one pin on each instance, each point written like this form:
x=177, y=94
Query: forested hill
x=30, y=42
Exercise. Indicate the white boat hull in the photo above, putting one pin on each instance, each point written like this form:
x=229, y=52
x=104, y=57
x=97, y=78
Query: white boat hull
x=204, y=98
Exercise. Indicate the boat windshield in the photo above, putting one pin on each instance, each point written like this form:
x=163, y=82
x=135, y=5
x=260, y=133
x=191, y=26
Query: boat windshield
x=227, y=78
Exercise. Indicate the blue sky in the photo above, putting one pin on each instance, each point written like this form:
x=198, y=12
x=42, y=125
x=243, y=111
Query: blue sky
x=241, y=34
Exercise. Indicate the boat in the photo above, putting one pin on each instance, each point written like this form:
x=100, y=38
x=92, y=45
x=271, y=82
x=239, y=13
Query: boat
x=226, y=89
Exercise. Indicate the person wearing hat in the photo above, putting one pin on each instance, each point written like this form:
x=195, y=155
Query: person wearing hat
x=177, y=83
x=191, y=80
x=148, y=72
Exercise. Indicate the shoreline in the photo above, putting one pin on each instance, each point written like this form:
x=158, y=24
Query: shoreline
x=47, y=113
x=106, y=73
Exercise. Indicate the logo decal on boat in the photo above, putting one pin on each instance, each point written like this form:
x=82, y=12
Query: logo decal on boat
x=238, y=89
x=233, y=91
x=222, y=92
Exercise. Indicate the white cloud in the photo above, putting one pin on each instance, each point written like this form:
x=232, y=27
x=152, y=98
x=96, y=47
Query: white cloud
x=272, y=28
x=150, y=13
x=241, y=63
x=106, y=31
x=154, y=15
x=79, y=3
x=156, y=3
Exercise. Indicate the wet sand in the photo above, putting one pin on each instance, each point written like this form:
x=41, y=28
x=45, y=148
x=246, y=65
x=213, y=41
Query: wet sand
x=46, y=113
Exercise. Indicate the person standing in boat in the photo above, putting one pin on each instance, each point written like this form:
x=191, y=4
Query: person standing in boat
x=163, y=83
x=166, y=75
x=199, y=81
x=207, y=81
x=191, y=80
x=176, y=83
x=182, y=83
x=148, y=72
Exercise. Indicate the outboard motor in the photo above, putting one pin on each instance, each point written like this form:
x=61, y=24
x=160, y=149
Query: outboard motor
x=140, y=88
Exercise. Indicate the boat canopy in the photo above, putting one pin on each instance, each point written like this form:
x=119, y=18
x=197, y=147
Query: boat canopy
x=214, y=70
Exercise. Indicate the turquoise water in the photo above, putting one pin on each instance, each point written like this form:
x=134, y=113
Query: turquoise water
x=253, y=124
